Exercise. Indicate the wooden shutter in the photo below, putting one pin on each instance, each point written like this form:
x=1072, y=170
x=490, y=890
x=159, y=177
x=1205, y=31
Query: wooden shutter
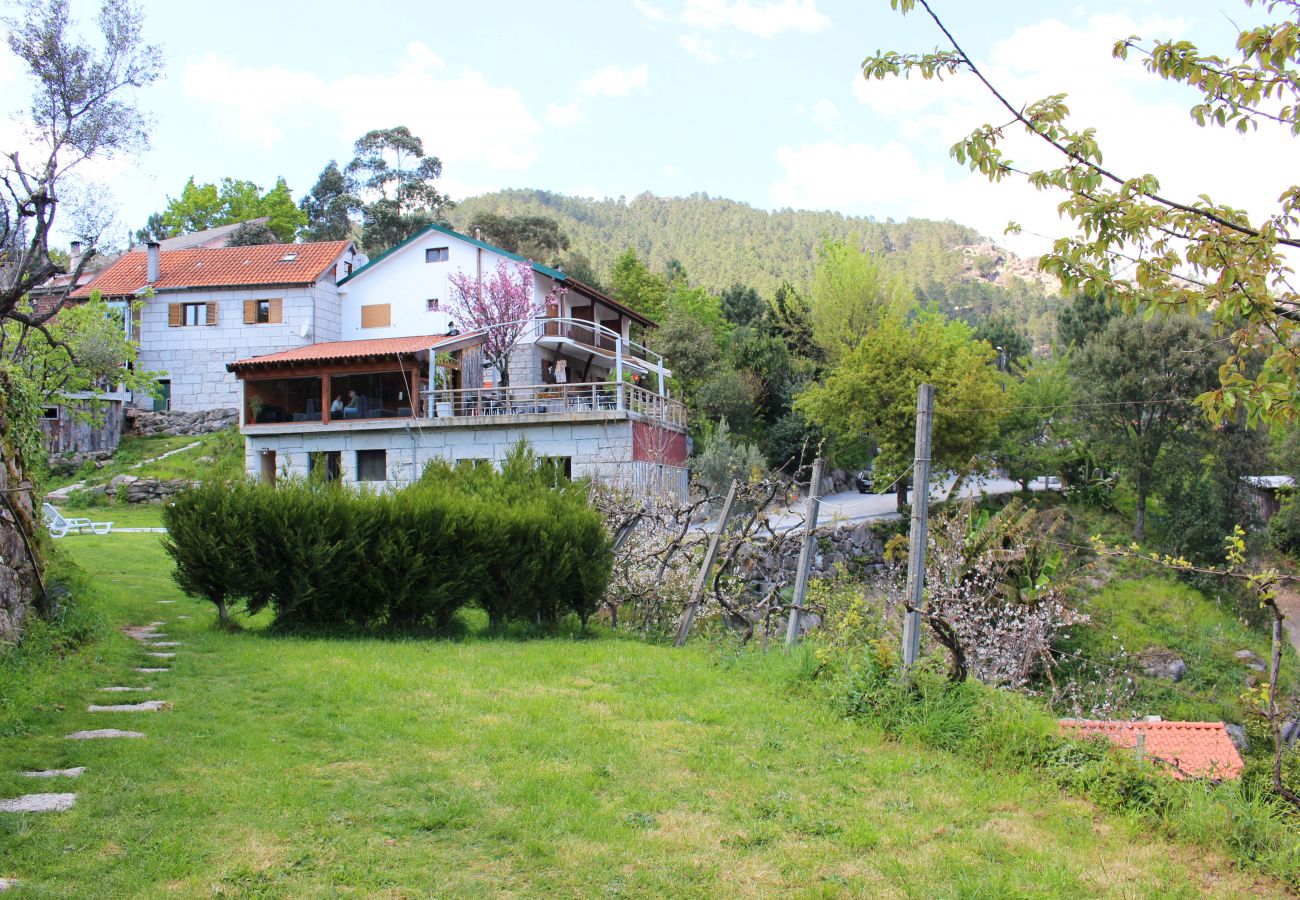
x=377, y=315
x=250, y=312
x=174, y=315
x=277, y=311
x=212, y=313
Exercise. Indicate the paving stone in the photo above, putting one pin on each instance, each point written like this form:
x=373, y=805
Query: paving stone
x=182, y=617
x=7, y=883
x=146, y=706
x=97, y=733
x=122, y=689
x=165, y=643
x=166, y=601
x=39, y=803
x=55, y=773
x=162, y=655
x=147, y=669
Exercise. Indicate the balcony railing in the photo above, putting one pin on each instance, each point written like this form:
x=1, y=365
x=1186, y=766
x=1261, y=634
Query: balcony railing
x=595, y=336
x=553, y=399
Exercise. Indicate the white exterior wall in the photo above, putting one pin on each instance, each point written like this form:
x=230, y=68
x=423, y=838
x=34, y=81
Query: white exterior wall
x=406, y=282
x=194, y=357
x=600, y=446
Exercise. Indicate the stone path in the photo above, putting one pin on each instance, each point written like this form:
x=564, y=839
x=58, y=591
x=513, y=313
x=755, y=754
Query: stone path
x=39, y=803
x=146, y=635
x=62, y=493
x=146, y=706
x=97, y=733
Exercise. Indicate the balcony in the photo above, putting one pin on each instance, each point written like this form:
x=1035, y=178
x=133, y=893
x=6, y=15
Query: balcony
x=560, y=400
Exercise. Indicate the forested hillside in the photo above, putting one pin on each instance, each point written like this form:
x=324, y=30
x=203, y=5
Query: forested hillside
x=719, y=243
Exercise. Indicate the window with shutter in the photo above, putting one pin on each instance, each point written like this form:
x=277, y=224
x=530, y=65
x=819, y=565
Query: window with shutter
x=276, y=312
x=174, y=313
x=250, y=312
x=377, y=315
x=212, y=313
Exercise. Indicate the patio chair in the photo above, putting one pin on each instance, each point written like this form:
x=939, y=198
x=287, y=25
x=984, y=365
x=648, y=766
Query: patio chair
x=59, y=525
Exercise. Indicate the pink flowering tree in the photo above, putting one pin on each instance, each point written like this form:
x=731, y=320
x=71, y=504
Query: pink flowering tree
x=501, y=305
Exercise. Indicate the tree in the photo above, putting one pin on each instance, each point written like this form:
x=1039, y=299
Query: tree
x=535, y=237
x=852, y=293
x=81, y=110
x=501, y=305
x=1006, y=338
x=1033, y=436
x=1135, y=386
x=789, y=319
x=1086, y=317
x=1143, y=247
x=250, y=234
x=742, y=305
x=635, y=286
x=872, y=390
x=328, y=207
x=203, y=206
x=394, y=175
x=579, y=266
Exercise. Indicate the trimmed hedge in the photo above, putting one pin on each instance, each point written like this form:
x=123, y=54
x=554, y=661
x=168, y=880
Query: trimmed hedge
x=518, y=543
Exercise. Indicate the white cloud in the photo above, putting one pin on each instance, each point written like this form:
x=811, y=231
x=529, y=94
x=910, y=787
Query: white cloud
x=562, y=116
x=700, y=48
x=1142, y=124
x=613, y=81
x=653, y=13
x=462, y=117
x=762, y=19
x=827, y=115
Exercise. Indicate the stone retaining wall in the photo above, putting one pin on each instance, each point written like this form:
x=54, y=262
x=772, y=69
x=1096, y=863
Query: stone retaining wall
x=146, y=424
x=858, y=548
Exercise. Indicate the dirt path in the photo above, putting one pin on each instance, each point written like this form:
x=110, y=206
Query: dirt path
x=1288, y=600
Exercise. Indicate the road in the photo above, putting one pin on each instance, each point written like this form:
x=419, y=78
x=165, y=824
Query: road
x=849, y=507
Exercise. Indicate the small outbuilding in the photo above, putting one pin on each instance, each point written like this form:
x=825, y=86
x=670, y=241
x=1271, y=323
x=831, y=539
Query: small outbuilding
x=1265, y=492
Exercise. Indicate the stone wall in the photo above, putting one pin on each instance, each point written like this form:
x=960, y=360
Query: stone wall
x=175, y=422
x=858, y=548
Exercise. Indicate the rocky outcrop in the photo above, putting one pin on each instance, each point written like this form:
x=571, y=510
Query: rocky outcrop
x=133, y=489
x=143, y=422
x=17, y=574
x=1157, y=662
x=989, y=262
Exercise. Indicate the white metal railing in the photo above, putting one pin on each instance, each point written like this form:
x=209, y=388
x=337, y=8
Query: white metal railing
x=553, y=399
x=593, y=334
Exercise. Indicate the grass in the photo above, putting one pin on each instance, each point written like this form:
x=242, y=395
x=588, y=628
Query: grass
x=122, y=515
x=220, y=452
x=557, y=766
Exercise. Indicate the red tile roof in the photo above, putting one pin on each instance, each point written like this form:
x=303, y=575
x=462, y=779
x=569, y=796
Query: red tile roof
x=340, y=351
x=218, y=267
x=1201, y=749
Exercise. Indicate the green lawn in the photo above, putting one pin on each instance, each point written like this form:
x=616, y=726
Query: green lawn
x=220, y=452
x=558, y=767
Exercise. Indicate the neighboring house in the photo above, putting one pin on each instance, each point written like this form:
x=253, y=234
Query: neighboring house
x=84, y=423
x=405, y=387
x=1265, y=493
x=1183, y=749
x=204, y=306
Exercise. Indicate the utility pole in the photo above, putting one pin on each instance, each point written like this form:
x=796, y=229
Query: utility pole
x=805, y=555
x=702, y=579
x=920, y=521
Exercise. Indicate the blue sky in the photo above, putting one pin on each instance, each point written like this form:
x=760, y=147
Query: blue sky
x=757, y=100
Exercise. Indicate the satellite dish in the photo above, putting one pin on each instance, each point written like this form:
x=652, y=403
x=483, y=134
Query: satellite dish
x=305, y=328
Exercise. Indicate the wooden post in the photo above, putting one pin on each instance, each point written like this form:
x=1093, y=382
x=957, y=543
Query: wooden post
x=702, y=579
x=920, y=515
x=618, y=369
x=805, y=555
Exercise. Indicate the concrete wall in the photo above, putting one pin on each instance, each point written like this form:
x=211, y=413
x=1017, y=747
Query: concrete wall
x=194, y=357
x=599, y=444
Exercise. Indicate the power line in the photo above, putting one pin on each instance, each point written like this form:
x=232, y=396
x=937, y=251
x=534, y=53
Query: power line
x=1065, y=406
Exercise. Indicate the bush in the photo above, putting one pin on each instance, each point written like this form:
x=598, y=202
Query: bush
x=1284, y=527
x=321, y=555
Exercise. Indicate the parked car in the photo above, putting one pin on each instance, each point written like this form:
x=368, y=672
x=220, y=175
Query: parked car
x=865, y=482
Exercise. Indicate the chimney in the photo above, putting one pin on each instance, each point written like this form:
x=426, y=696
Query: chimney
x=155, y=262
x=76, y=254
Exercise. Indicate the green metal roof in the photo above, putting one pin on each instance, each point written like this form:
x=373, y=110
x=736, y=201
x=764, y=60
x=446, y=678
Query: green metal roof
x=554, y=274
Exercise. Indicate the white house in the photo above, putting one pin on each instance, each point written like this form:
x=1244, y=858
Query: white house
x=404, y=385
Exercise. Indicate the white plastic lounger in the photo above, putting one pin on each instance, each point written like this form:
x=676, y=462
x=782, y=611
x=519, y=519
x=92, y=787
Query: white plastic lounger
x=60, y=525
